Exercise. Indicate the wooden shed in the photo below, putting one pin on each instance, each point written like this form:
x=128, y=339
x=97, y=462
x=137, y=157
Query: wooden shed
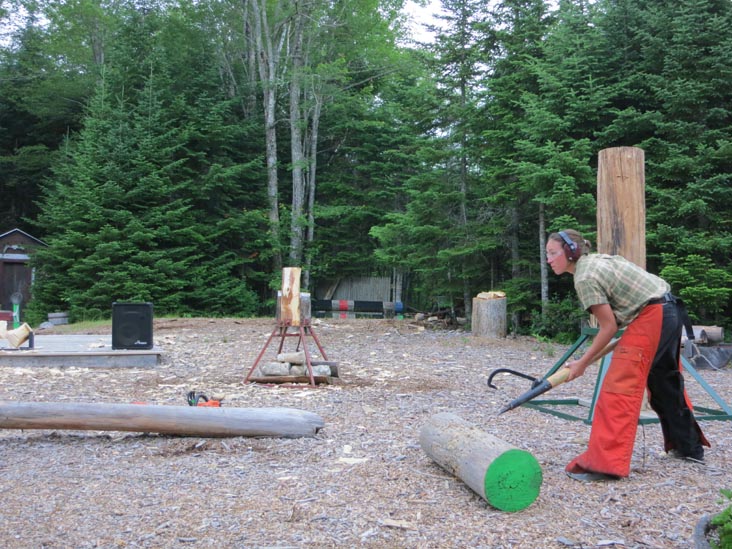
x=16, y=275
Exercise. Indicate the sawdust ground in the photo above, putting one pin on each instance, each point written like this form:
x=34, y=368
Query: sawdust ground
x=363, y=480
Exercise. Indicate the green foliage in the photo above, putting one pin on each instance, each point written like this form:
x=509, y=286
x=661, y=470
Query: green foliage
x=40, y=101
x=560, y=320
x=132, y=142
x=722, y=523
x=704, y=287
x=127, y=211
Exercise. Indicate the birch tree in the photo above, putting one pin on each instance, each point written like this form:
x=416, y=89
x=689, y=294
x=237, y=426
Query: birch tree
x=269, y=37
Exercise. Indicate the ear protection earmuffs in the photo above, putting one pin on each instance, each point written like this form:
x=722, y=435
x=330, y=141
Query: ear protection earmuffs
x=571, y=250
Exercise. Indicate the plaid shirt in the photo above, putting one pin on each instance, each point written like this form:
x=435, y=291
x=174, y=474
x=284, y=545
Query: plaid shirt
x=612, y=279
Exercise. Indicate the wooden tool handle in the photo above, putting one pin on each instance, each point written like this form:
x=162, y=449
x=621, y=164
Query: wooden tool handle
x=561, y=375
x=609, y=348
x=558, y=377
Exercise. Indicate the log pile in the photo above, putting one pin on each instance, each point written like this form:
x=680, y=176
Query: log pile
x=291, y=367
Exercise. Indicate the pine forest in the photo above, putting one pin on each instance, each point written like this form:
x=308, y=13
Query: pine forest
x=183, y=152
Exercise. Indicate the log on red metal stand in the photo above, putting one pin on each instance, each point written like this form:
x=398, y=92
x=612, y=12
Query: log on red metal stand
x=282, y=329
x=292, y=314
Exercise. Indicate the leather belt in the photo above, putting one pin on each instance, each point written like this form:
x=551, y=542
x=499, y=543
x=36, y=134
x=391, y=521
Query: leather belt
x=665, y=298
x=668, y=297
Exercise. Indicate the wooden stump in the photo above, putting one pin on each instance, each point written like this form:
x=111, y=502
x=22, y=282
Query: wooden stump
x=489, y=317
x=290, y=301
x=506, y=477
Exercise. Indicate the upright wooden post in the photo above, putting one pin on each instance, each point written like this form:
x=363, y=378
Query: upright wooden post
x=621, y=203
x=290, y=302
x=621, y=208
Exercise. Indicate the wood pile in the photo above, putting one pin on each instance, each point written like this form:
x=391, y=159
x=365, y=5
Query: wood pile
x=294, y=364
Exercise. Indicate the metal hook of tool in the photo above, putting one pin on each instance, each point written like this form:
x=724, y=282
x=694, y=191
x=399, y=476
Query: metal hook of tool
x=509, y=371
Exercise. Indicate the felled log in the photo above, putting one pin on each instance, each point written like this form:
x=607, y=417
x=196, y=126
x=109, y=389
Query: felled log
x=171, y=420
x=714, y=334
x=319, y=380
x=508, y=478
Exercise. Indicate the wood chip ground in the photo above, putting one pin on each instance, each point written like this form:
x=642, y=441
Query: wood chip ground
x=363, y=480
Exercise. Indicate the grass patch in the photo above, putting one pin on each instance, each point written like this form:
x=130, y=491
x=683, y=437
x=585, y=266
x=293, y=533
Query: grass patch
x=85, y=326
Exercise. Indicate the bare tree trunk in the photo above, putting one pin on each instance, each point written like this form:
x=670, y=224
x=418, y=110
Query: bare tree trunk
x=311, y=183
x=543, y=271
x=467, y=298
x=96, y=39
x=515, y=257
x=296, y=139
x=251, y=63
x=267, y=61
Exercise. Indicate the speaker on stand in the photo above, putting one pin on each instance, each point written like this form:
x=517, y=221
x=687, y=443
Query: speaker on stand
x=132, y=326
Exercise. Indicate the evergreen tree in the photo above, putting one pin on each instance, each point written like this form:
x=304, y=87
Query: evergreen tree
x=40, y=103
x=366, y=181
x=512, y=39
x=671, y=97
x=555, y=152
x=121, y=215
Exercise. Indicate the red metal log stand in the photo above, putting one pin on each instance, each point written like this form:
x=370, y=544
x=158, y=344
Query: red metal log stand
x=285, y=329
x=293, y=320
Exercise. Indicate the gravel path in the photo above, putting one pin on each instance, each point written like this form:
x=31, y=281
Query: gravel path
x=363, y=480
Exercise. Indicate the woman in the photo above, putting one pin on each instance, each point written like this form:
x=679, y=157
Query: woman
x=621, y=295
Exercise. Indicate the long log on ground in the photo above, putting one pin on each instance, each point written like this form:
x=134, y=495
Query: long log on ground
x=172, y=420
x=506, y=477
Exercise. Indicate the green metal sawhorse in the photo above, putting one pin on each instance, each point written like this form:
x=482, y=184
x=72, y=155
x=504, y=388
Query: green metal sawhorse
x=549, y=405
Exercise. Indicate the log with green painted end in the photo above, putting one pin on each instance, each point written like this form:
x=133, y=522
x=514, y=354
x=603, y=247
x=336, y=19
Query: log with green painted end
x=508, y=478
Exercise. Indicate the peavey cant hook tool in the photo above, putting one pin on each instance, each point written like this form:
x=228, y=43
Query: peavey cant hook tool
x=540, y=386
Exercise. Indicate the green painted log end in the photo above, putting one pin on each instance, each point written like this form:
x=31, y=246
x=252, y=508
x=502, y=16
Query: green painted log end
x=512, y=482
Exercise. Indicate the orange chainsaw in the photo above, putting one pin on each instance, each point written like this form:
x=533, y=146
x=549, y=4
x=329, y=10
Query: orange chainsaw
x=199, y=399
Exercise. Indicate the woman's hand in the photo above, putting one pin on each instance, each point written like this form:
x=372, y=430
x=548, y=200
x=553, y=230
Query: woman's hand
x=608, y=327
x=576, y=369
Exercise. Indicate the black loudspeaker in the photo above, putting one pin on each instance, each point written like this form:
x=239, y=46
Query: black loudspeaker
x=132, y=325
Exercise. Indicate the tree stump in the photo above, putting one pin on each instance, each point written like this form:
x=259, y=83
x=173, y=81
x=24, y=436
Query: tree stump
x=506, y=477
x=489, y=317
x=290, y=301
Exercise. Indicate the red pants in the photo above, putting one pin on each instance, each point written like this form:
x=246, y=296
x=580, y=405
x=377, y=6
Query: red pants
x=647, y=355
